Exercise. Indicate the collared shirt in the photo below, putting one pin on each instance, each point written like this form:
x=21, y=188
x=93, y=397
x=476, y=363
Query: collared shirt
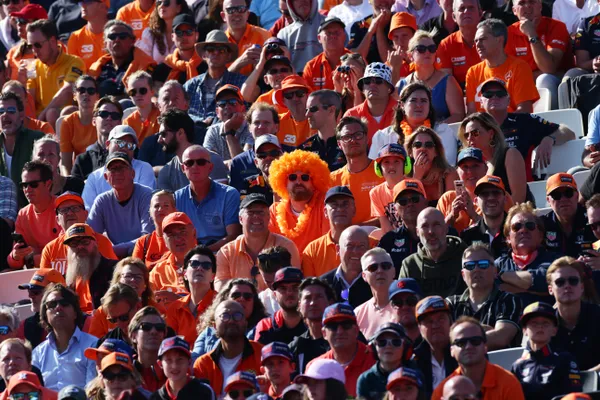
x=568, y=11
x=215, y=141
x=438, y=371
x=167, y=275
x=328, y=150
x=558, y=241
x=453, y=53
x=583, y=341
x=479, y=233
x=320, y=256
x=213, y=214
x=318, y=72
x=431, y=9
x=588, y=36
x=180, y=318
x=70, y=367
x=370, y=317
x=267, y=11
x=202, y=103
x=354, y=293
x=8, y=199
x=339, y=275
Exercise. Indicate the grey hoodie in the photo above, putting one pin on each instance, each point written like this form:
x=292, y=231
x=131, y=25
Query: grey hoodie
x=301, y=36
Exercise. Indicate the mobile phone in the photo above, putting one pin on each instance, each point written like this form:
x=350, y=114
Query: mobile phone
x=18, y=238
x=459, y=187
x=585, y=246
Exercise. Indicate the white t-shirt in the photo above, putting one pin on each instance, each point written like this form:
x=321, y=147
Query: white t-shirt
x=228, y=366
x=351, y=14
x=568, y=12
x=8, y=160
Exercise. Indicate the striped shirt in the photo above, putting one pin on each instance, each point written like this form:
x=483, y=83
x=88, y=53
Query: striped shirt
x=8, y=199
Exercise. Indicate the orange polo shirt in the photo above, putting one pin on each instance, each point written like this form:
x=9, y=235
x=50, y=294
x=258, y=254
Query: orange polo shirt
x=453, y=53
x=207, y=365
x=180, y=318
x=235, y=262
x=292, y=132
x=146, y=128
x=318, y=72
x=362, y=361
x=360, y=184
x=74, y=136
x=38, y=229
x=37, y=125
x=166, y=274
x=362, y=111
x=253, y=35
x=317, y=227
x=498, y=383
x=86, y=45
x=54, y=254
x=156, y=249
x=133, y=15
x=269, y=98
x=320, y=256
x=515, y=72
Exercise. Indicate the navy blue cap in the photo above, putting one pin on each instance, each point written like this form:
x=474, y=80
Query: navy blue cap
x=287, y=275
x=429, y=305
x=338, y=191
x=470, y=152
x=246, y=377
x=391, y=150
x=338, y=312
x=276, y=349
x=183, y=19
x=174, y=343
x=404, y=374
x=390, y=327
x=404, y=285
x=538, y=309
x=331, y=20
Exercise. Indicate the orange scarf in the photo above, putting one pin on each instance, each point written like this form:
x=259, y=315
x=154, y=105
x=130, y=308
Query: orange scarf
x=407, y=130
x=303, y=218
x=178, y=65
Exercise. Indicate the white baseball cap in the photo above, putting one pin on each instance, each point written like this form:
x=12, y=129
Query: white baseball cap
x=322, y=369
x=264, y=139
x=121, y=131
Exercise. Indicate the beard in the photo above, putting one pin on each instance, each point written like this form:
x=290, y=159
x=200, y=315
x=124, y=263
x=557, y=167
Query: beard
x=300, y=193
x=81, y=267
x=171, y=146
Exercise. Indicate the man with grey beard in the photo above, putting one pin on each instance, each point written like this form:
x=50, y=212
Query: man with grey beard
x=88, y=272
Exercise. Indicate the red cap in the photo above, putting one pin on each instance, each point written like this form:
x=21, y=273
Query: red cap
x=26, y=377
x=176, y=218
x=31, y=12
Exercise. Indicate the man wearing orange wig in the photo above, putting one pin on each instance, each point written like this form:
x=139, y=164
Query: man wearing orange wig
x=300, y=179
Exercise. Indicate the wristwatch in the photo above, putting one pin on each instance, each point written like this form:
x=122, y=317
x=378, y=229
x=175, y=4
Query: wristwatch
x=534, y=40
x=229, y=132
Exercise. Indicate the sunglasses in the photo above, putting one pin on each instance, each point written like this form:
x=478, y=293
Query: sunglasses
x=474, y=340
x=9, y=110
x=218, y=49
x=427, y=145
x=133, y=92
x=164, y=3
x=403, y=201
x=594, y=225
x=529, y=225
x=202, y=162
x=490, y=94
x=314, y=109
x=568, y=193
x=368, y=81
x=120, y=35
x=52, y=304
x=39, y=45
x=83, y=90
x=33, y=184
x=195, y=264
x=275, y=71
x=385, y=266
x=571, y=280
x=346, y=325
x=294, y=177
x=148, y=326
x=119, y=376
x=421, y=48
x=114, y=115
x=264, y=154
x=236, y=316
x=481, y=264
x=389, y=342
x=410, y=301
x=234, y=394
x=236, y=10
x=245, y=296
x=122, y=318
x=225, y=103
x=122, y=144
x=298, y=93
x=187, y=32
x=356, y=136
x=5, y=330
x=25, y=396
x=22, y=21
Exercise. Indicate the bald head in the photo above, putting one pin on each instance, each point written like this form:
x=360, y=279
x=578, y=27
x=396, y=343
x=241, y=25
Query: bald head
x=432, y=230
x=353, y=243
x=194, y=152
x=459, y=386
x=353, y=233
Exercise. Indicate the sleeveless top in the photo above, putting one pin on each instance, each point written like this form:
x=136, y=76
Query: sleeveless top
x=500, y=172
x=438, y=97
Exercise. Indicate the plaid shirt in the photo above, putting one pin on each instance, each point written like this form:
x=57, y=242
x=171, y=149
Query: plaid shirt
x=203, y=106
x=8, y=199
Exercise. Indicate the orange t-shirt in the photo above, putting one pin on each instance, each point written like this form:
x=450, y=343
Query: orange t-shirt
x=317, y=227
x=74, y=136
x=362, y=111
x=180, y=318
x=318, y=72
x=146, y=128
x=382, y=200
x=456, y=55
x=463, y=221
x=269, y=98
x=37, y=125
x=292, y=132
x=86, y=45
x=13, y=59
x=253, y=35
x=135, y=17
x=38, y=229
x=54, y=254
x=551, y=32
x=156, y=249
x=235, y=262
x=498, y=383
x=320, y=256
x=166, y=274
x=515, y=72
x=360, y=185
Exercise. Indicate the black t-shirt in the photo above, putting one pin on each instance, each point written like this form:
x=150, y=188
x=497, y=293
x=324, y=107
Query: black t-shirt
x=591, y=186
x=66, y=14
x=588, y=36
x=328, y=151
x=526, y=131
x=557, y=241
x=583, y=342
x=436, y=27
x=358, y=31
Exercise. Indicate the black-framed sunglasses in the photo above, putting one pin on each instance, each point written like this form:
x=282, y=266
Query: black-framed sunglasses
x=236, y=10
x=473, y=340
x=375, y=80
x=114, y=115
x=89, y=90
x=529, y=225
x=32, y=184
x=403, y=201
x=52, y=304
x=490, y=94
x=314, y=109
x=303, y=177
x=122, y=318
x=261, y=155
x=186, y=32
x=195, y=264
x=133, y=92
x=481, y=264
x=396, y=342
x=236, y=316
x=421, y=48
x=119, y=35
x=427, y=145
x=571, y=280
x=298, y=93
x=148, y=326
x=234, y=394
x=410, y=301
x=199, y=161
x=557, y=195
x=71, y=209
x=385, y=266
x=237, y=295
x=346, y=325
x=118, y=376
x=228, y=102
x=164, y=3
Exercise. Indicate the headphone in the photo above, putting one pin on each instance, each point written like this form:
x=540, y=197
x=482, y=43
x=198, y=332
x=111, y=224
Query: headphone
x=407, y=167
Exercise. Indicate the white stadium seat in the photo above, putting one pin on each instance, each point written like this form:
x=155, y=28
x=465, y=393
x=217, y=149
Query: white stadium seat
x=505, y=357
x=538, y=189
x=544, y=103
x=571, y=117
x=10, y=293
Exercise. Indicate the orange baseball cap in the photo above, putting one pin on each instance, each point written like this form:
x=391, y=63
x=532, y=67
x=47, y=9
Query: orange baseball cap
x=560, y=180
x=409, y=184
x=230, y=89
x=24, y=377
x=489, y=180
x=401, y=20
x=66, y=196
x=115, y=358
x=42, y=278
x=176, y=218
x=79, y=230
x=291, y=82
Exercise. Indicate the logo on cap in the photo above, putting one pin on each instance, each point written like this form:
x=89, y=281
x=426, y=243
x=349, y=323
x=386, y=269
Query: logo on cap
x=401, y=284
x=22, y=375
x=566, y=179
x=76, y=229
x=37, y=278
x=121, y=358
x=493, y=179
x=411, y=184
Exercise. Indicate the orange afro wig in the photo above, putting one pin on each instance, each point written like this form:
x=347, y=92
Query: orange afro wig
x=298, y=160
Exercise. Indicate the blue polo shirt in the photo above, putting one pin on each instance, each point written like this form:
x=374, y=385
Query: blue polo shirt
x=212, y=215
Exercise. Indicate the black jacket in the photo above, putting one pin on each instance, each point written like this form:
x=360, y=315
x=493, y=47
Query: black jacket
x=359, y=292
x=88, y=162
x=422, y=356
x=305, y=349
x=194, y=389
x=100, y=280
x=477, y=233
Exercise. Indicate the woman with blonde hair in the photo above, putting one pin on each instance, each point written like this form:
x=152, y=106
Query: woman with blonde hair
x=586, y=279
x=481, y=131
x=429, y=163
x=446, y=92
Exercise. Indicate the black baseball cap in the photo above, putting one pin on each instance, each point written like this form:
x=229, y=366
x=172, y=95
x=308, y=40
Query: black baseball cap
x=182, y=19
x=338, y=191
x=253, y=198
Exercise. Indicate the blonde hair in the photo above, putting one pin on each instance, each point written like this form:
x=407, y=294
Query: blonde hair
x=522, y=208
x=140, y=75
x=585, y=275
x=420, y=34
x=439, y=165
x=119, y=292
x=148, y=294
x=498, y=142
